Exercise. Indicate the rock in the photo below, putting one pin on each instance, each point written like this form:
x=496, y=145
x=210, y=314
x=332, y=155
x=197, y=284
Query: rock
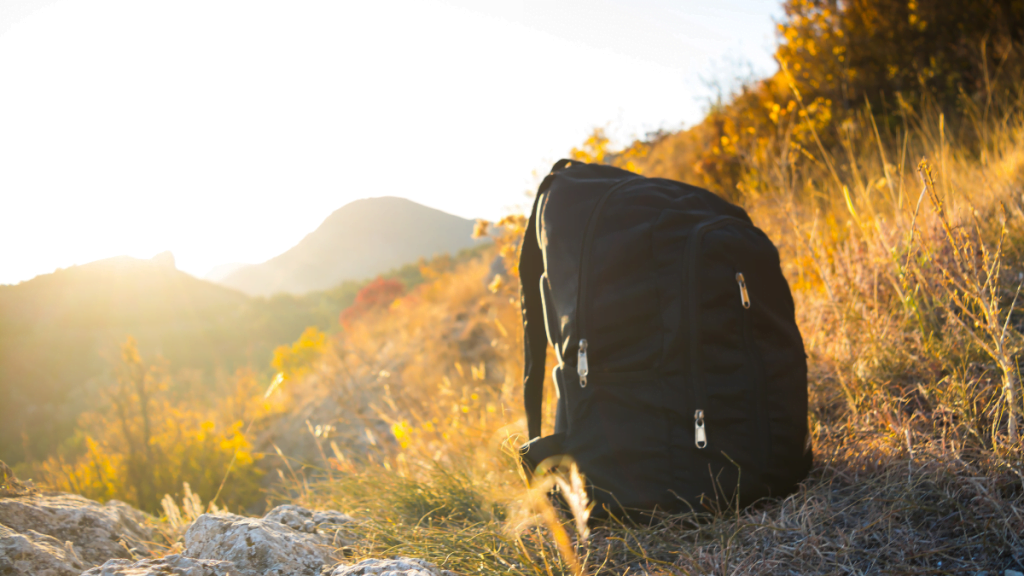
x=257, y=546
x=37, y=554
x=169, y=565
x=287, y=540
x=328, y=524
x=98, y=532
x=397, y=567
x=1013, y=573
x=10, y=485
x=51, y=534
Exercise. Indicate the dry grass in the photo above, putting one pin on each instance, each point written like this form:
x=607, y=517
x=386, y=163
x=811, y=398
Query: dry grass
x=906, y=299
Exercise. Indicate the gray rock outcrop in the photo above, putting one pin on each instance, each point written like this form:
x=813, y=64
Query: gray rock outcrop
x=36, y=554
x=54, y=534
x=97, y=532
x=175, y=564
x=289, y=540
x=328, y=524
x=396, y=567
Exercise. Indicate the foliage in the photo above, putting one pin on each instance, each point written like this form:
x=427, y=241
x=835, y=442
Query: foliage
x=906, y=284
x=596, y=150
x=59, y=333
x=849, y=51
x=841, y=62
x=374, y=296
x=906, y=279
x=295, y=360
x=916, y=462
x=144, y=447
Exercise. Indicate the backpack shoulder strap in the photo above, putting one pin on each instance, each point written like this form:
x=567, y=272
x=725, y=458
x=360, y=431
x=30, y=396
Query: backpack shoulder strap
x=535, y=341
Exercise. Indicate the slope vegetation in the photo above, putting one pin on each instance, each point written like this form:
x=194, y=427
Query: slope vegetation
x=61, y=334
x=58, y=331
x=905, y=276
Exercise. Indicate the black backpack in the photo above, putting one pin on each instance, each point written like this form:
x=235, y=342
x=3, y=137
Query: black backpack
x=681, y=376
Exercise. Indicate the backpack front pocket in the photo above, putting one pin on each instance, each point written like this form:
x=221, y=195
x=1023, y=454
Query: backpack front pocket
x=619, y=437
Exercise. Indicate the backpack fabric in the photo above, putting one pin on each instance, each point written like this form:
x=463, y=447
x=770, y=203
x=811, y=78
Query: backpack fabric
x=681, y=373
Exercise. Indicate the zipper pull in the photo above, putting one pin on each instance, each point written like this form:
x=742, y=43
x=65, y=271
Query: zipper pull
x=699, y=435
x=582, y=368
x=744, y=297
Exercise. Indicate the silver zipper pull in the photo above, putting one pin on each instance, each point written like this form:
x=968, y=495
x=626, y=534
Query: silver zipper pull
x=744, y=297
x=582, y=368
x=699, y=435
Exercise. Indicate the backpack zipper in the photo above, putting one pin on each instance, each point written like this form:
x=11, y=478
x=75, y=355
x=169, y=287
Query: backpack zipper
x=744, y=297
x=692, y=253
x=700, y=437
x=755, y=359
x=582, y=366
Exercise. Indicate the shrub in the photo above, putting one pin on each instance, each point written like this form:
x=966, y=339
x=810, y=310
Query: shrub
x=144, y=447
x=374, y=296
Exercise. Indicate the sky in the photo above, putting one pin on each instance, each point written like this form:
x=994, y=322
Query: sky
x=225, y=131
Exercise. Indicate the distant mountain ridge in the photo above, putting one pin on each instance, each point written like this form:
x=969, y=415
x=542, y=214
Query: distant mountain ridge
x=359, y=240
x=60, y=332
x=219, y=272
x=57, y=329
x=60, y=335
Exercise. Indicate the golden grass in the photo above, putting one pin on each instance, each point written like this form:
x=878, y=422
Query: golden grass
x=906, y=299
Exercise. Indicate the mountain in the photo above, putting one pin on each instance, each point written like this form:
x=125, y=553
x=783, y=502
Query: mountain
x=219, y=272
x=359, y=240
x=60, y=335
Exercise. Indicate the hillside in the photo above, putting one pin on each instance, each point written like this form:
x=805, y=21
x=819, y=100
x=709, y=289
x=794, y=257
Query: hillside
x=59, y=331
x=359, y=240
x=60, y=334
x=912, y=412
x=218, y=273
x=899, y=222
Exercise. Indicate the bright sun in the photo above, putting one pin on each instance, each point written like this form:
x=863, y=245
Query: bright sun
x=225, y=131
